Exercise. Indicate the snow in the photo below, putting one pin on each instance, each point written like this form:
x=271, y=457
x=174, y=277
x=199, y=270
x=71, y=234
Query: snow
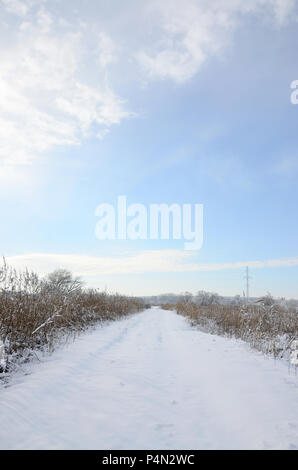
x=151, y=381
x=294, y=353
x=1, y=353
x=294, y=357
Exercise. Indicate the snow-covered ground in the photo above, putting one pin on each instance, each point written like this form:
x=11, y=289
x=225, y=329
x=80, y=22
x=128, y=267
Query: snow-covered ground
x=151, y=382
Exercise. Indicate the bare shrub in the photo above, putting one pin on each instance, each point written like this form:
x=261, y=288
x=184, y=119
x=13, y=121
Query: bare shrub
x=168, y=306
x=35, y=313
x=267, y=326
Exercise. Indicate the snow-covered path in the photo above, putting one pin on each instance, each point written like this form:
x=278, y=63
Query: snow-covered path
x=151, y=382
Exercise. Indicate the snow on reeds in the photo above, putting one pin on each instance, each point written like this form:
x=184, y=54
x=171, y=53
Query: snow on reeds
x=268, y=327
x=35, y=313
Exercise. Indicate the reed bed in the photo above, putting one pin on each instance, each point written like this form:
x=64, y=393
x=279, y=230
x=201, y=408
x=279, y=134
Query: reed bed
x=272, y=329
x=36, y=313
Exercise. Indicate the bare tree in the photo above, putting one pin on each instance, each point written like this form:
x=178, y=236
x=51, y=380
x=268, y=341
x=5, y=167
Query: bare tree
x=186, y=297
x=204, y=298
x=64, y=281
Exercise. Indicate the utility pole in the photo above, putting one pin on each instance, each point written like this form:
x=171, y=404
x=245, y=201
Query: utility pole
x=247, y=278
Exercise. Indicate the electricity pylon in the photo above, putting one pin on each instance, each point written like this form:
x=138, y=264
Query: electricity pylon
x=247, y=278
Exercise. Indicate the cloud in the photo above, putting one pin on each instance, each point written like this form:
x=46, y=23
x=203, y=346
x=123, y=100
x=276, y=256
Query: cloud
x=287, y=166
x=53, y=89
x=153, y=261
x=18, y=7
x=106, y=50
x=283, y=9
x=147, y=261
x=188, y=36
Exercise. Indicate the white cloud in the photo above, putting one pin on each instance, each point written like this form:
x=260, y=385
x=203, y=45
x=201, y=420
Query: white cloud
x=191, y=33
x=106, y=50
x=19, y=7
x=88, y=105
x=53, y=89
x=44, y=20
x=283, y=9
x=156, y=261
x=147, y=261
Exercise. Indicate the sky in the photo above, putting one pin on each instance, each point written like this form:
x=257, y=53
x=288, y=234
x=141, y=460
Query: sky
x=162, y=102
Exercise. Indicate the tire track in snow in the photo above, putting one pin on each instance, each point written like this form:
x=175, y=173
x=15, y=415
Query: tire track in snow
x=151, y=381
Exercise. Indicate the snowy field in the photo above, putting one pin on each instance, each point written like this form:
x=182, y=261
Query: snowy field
x=151, y=381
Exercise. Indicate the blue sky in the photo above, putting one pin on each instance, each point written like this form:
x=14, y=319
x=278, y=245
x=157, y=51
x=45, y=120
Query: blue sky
x=163, y=104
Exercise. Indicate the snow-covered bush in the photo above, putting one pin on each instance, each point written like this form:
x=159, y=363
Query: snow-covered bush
x=1, y=353
x=36, y=313
x=267, y=326
x=204, y=298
